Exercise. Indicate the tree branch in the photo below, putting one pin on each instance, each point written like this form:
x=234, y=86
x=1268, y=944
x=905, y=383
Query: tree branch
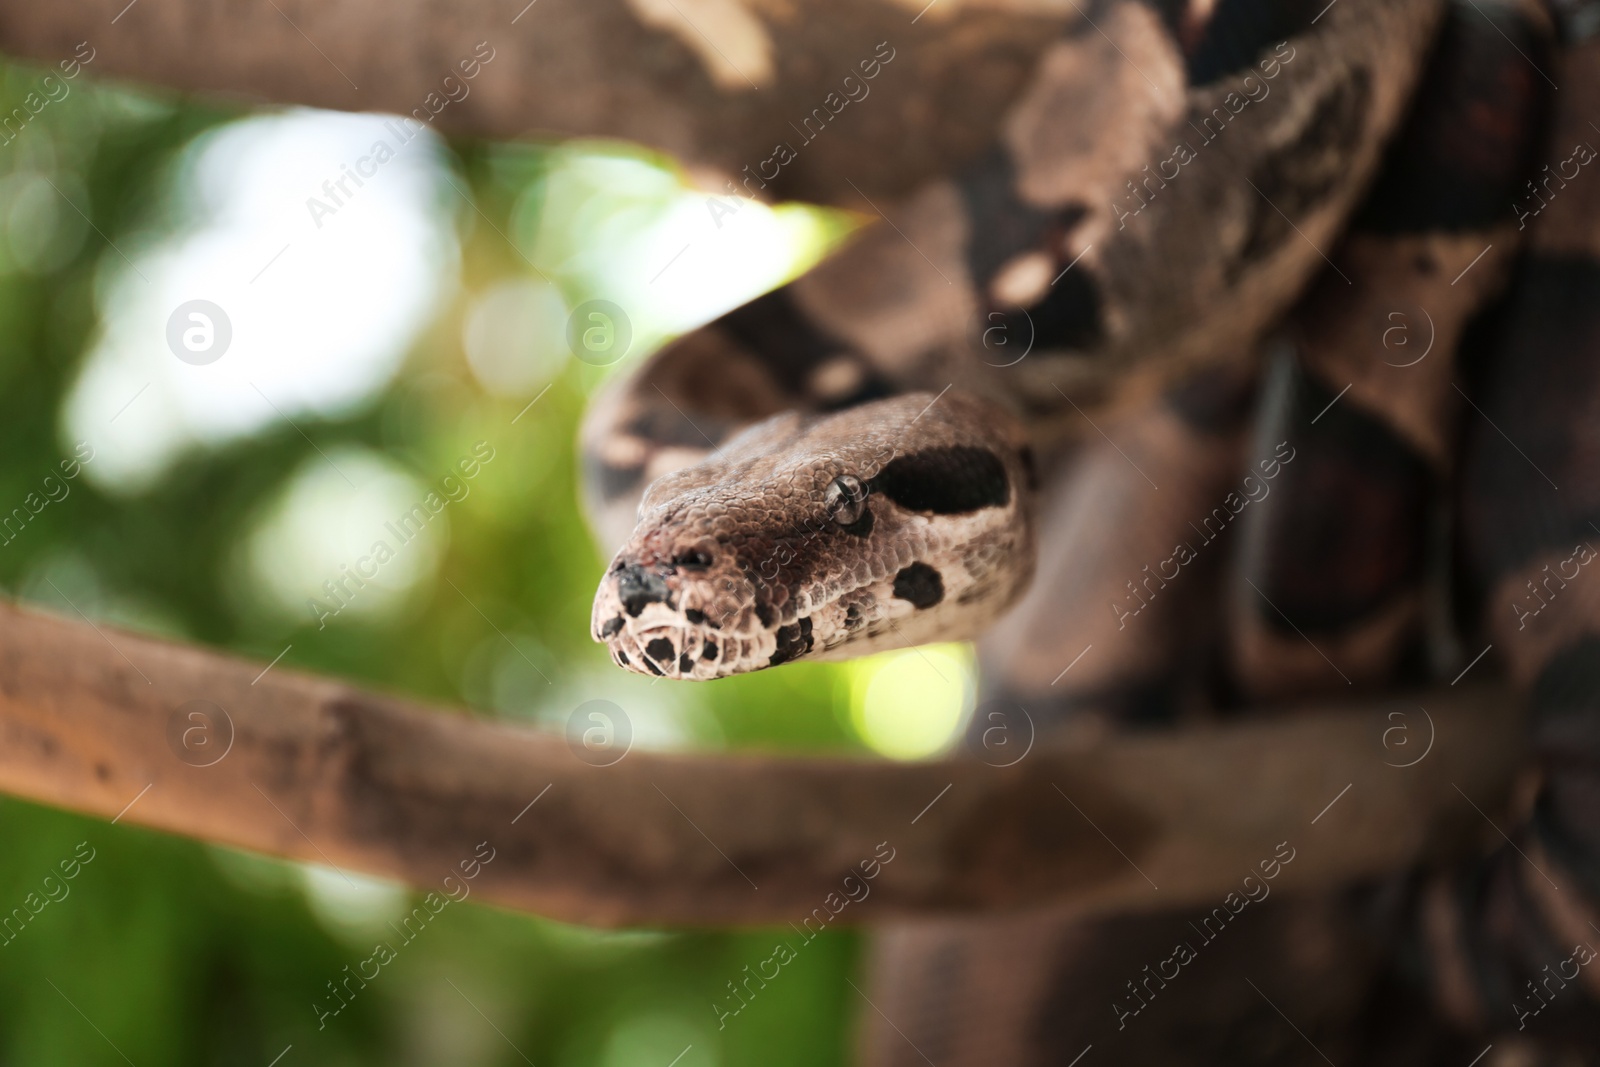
x=716, y=82
x=92, y=719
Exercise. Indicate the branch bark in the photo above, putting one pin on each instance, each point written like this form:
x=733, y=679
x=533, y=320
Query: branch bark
x=714, y=82
x=92, y=719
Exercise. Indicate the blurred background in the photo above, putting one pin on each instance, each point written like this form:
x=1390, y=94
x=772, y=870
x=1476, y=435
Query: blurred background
x=355, y=347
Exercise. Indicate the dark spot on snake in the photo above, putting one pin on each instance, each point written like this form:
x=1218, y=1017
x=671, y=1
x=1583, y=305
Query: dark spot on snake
x=1068, y=317
x=1346, y=537
x=637, y=587
x=661, y=650
x=989, y=191
x=657, y=671
x=1565, y=698
x=709, y=651
x=794, y=641
x=1472, y=137
x=1531, y=371
x=692, y=560
x=764, y=613
x=791, y=346
x=622, y=658
x=1564, y=703
x=1235, y=34
x=694, y=616
x=685, y=663
x=946, y=480
x=852, y=617
x=919, y=584
x=611, y=627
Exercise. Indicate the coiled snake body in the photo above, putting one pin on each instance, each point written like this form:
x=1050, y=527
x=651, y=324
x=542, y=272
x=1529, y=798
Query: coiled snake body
x=1258, y=356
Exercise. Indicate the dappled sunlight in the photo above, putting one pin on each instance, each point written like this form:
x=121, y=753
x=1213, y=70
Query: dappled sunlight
x=316, y=290
x=911, y=703
x=343, y=535
x=256, y=481
x=351, y=906
x=515, y=336
x=620, y=226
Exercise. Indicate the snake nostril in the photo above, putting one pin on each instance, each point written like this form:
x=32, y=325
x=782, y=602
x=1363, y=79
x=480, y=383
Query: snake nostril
x=637, y=587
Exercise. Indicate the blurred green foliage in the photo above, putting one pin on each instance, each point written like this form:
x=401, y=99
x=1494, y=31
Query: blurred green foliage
x=172, y=952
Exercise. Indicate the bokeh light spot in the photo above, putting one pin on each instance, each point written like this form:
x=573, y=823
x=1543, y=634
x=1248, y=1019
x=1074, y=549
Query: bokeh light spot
x=325, y=285
x=350, y=905
x=910, y=704
x=353, y=521
x=515, y=336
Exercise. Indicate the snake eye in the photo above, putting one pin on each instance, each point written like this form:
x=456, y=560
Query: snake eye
x=847, y=500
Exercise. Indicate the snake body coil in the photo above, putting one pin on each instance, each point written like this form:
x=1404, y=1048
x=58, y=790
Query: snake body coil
x=1255, y=359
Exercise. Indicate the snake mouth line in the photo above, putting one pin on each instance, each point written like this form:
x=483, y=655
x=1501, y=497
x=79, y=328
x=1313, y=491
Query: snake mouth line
x=679, y=648
x=689, y=651
x=664, y=642
x=671, y=638
x=668, y=652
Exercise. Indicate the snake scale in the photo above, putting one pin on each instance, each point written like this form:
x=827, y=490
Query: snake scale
x=1257, y=358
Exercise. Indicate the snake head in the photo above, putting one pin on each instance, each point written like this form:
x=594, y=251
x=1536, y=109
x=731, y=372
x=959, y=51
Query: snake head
x=894, y=523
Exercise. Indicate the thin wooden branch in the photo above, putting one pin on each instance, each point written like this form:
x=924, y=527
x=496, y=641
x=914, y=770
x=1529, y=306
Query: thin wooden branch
x=95, y=720
x=718, y=83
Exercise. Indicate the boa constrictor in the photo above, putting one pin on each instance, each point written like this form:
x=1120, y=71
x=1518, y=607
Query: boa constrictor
x=1259, y=357
x=1179, y=265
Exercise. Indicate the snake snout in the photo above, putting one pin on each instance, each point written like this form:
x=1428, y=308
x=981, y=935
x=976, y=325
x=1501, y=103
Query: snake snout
x=637, y=588
x=655, y=619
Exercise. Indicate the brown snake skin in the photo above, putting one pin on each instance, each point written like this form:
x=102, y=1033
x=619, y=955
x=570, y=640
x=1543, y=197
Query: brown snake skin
x=1253, y=472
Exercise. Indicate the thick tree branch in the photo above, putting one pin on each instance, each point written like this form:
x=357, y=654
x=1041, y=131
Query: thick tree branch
x=92, y=719
x=716, y=82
